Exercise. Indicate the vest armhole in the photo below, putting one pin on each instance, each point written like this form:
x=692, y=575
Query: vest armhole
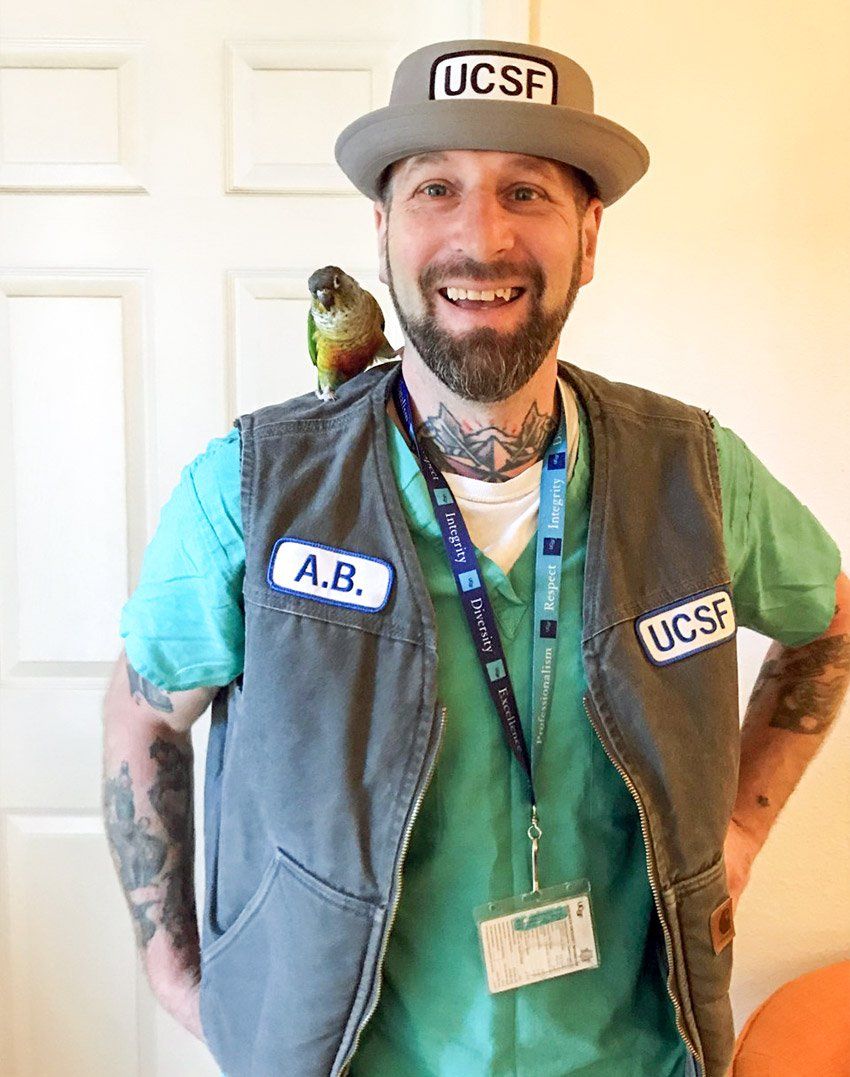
x=713, y=462
x=245, y=426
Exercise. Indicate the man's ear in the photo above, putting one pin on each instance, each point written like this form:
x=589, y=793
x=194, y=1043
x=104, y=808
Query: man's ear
x=589, y=237
x=381, y=216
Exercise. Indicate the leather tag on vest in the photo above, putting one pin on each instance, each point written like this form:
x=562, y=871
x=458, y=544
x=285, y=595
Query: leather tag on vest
x=687, y=626
x=722, y=927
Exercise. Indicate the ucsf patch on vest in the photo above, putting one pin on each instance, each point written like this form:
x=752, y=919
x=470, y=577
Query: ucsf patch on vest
x=683, y=628
x=327, y=574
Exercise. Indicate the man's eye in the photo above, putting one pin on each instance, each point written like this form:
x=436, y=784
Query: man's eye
x=525, y=194
x=434, y=186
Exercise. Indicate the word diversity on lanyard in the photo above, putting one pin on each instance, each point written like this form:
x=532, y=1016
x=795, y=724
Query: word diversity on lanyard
x=550, y=932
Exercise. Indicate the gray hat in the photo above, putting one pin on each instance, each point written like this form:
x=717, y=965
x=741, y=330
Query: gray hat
x=492, y=95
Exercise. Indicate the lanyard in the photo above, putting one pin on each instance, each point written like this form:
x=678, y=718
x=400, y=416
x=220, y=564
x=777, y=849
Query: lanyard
x=479, y=610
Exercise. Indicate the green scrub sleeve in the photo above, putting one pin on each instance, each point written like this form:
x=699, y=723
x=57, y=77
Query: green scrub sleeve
x=782, y=561
x=183, y=627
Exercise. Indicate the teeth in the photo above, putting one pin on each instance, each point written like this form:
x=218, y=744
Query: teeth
x=469, y=293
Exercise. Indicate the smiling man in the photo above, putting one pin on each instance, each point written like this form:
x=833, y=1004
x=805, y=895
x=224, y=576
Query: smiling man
x=477, y=798
x=484, y=268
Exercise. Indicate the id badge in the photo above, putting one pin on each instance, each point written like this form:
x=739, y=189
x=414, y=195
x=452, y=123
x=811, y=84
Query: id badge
x=537, y=936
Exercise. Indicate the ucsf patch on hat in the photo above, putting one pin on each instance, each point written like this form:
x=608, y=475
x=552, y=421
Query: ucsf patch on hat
x=492, y=95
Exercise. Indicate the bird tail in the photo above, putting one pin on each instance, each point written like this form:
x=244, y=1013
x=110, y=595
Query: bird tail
x=385, y=350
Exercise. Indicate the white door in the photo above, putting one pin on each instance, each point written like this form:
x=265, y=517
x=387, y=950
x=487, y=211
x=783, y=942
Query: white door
x=167, y=184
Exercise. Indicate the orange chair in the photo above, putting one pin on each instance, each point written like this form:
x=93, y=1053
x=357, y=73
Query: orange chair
x=802, y=1030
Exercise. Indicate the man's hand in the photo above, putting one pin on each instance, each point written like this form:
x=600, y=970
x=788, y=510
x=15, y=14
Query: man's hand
x=739, y=851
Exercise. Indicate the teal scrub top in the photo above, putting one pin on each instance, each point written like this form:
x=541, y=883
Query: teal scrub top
x=183, y=627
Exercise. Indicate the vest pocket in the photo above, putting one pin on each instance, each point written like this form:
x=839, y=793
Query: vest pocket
x=280, y=987
x=703, y=976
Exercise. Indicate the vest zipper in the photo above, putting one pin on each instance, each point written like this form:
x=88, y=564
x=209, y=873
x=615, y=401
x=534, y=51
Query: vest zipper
x=404, y=844
x=650, y=865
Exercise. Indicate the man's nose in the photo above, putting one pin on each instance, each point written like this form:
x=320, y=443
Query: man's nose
x=483, y=226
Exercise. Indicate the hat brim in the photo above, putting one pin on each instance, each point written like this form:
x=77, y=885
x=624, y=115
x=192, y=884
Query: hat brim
x=613, y=156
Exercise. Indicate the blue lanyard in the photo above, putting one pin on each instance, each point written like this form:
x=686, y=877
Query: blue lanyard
x=476, y=602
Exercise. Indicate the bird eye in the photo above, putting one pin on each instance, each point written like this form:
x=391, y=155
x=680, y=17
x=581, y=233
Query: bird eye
x=336, y=282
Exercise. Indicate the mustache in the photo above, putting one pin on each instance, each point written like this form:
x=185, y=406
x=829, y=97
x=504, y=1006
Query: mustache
x=432, y=276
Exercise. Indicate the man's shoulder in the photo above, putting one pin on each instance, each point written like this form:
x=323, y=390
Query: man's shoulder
x=308, y=408
x=212, y=477
x=644, y=403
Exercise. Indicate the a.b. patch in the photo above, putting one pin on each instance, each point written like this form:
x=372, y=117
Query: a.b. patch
x=327, y=574
x=683, y=628
x=494, y=76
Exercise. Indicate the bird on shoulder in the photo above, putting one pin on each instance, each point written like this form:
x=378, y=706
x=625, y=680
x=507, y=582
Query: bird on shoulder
x=345, y=329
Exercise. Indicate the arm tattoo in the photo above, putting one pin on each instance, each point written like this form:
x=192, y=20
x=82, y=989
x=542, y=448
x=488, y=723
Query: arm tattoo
x=811, y=682
x=156, y=697
x=139, y=854
x=141, y=849
x=171, y=797
x=488, y=452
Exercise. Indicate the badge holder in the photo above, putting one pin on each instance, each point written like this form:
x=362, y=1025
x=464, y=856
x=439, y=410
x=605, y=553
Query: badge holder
x=539, y=935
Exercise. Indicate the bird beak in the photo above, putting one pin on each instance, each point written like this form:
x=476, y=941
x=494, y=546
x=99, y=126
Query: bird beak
x=325, y=297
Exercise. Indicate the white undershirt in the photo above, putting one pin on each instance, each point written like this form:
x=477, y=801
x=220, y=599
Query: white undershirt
x=502, y=516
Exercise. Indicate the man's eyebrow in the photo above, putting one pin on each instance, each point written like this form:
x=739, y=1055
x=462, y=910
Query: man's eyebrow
x=432, y=157
x=541, y=165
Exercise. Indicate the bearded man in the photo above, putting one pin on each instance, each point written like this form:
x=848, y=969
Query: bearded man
x=477, y=800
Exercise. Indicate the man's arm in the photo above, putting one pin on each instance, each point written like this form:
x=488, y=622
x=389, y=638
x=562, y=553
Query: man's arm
x=796, y=698
x=149, y=822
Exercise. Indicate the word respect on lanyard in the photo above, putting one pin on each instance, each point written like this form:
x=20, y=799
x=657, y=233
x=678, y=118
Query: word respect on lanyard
x=476, y=601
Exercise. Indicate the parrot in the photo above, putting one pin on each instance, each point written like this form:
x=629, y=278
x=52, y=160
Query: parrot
x=345, y=329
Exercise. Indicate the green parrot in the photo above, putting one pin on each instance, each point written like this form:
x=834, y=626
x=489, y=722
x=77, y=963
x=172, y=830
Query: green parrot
x=345, y=329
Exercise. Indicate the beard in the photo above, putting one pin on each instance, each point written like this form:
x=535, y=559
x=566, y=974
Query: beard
x=485, y=364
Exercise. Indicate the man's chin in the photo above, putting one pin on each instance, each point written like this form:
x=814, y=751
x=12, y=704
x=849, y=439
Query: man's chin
x=483, y=372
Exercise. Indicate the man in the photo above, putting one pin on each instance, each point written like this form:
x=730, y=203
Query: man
x=473, y=800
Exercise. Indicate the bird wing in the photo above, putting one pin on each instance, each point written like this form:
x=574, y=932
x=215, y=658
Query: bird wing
x=312, y=345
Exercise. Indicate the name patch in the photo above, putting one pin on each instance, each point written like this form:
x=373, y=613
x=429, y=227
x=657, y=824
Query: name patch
x=327, y=574
x=683, y=628
x=499, y=76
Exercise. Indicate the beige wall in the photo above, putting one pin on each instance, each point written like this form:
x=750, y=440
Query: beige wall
x=723, y=279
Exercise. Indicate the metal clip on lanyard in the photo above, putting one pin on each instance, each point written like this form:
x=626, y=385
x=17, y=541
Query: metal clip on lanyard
x=479, y=610
x=534, y=835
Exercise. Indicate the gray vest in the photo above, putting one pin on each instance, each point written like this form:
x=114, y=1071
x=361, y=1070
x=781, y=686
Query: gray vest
x=320, y=752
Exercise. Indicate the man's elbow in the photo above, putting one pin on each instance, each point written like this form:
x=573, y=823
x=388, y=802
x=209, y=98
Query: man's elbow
x=131, y=699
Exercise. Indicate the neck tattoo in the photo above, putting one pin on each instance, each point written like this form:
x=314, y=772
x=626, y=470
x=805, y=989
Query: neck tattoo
x=489, y=452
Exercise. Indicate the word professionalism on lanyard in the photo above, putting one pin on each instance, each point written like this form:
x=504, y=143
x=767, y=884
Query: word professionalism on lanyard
x=479, y=610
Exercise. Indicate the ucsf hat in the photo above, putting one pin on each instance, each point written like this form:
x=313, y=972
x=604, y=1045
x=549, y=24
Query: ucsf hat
x=492, y=95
